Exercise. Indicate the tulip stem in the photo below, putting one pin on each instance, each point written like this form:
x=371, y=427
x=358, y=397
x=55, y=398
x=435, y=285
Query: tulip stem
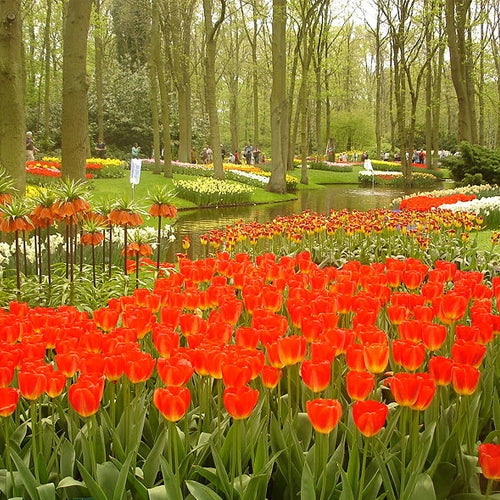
x=489, y=488
x=403, y=445
x=322, y=462
x=34, y=437
x=8, y=462
x=363, y=468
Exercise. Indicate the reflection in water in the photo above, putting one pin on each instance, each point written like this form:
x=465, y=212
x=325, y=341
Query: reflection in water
x=194, y=223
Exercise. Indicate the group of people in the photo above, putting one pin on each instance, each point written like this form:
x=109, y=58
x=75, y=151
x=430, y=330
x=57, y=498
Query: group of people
x=251, y=155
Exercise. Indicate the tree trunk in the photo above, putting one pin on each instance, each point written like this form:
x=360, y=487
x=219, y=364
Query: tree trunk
x=211, y=31
x=279, y=101
x=12, y=124
x=47, y=53
x=178, y=16
x=99, y=68
x=75, y=88
x=456, y=21
x=164, y=95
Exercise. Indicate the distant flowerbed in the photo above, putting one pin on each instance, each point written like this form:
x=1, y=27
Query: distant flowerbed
x=213, y=192
x=394, y=178
x=96, y=168
x=482, y=201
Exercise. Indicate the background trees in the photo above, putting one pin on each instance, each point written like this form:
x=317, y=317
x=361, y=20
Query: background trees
x=402, y=74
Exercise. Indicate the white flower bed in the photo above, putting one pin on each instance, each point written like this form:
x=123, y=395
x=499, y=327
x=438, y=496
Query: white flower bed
x=481, y=206
x=368, y=173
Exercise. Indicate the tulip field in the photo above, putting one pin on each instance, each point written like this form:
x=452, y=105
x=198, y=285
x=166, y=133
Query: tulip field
x=349, y=355
x=259, y=378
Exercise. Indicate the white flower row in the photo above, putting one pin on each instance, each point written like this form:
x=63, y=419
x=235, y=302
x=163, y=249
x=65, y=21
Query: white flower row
x=481, y=206
x=370, y=173
x=251, y=175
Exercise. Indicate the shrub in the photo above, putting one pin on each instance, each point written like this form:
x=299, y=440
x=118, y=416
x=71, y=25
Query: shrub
x=474, y=164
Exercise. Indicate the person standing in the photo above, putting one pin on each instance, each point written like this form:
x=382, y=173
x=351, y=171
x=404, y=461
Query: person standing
x=30, y=147
x=136, y=151
x=247, y=153
x=101, y=148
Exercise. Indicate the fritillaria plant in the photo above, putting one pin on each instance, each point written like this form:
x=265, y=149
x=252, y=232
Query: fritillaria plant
x=161, y=206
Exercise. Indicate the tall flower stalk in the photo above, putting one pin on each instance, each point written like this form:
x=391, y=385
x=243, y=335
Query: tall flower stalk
x=126, y=214
x=161, y=206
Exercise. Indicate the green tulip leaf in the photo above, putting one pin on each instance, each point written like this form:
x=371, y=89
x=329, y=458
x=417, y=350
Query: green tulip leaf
x=303, y=429
x=152, y=463
x=307, y=483
x=94, y=489
x=47, y=491
x=70, y=482
x=347, y=493
x=139, y=492
x=121, y=482
x=27, y=478
x=443, y=479
x=171, y=482
x=201, y=492
x=67, y=459
x=424, y=488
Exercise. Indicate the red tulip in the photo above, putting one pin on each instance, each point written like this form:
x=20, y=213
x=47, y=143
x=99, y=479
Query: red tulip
x=175, y=371
x=409, y=355
x=468, y=353
x=316, y=375
x=451, y=307
x=426, y=392
x=31, y=383
x=369, y=416
x=240, y=401
x=359, y=384
x=405, y=388
x=247, y=336
x=85, y=395
x=165, y=339
x=376, y=357
x=138, y=366
x=355, y=358
x=433, y=336
x=465, y=379
x=270, y=376
x=235, y=374
x=106, y=318
x=410, y=330
x=9, y=398
x=397, y=314
x=172, y=402
x=489, y=460
x=324, y=414
x=56, y=382
x=6, y=374
x=292, y=349
x=440, y=370
x=114, y=366
x=67, y=363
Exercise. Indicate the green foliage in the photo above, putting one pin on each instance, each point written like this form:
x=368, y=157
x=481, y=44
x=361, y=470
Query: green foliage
x=330, y=167
x=475, y=164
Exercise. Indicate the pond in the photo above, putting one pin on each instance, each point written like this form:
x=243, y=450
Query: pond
x=194, y=223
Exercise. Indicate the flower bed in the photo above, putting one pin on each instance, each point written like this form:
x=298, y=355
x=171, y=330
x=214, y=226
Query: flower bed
x=423, y=202
x=487, y=208
x=394, y=178
x=368, y=236
x=96, y=168
x=219, y=380
x=213, y=192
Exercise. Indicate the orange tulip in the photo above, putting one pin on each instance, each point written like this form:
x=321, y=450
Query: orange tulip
x=172, y=402
x=85, y=395
x=376, y=357
x=369, y=416
x=9, y=398
x=359, y=384
x=240, y=401
x=465, y=379
x=316, y=375
x=489, y=460
x=324, y=414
